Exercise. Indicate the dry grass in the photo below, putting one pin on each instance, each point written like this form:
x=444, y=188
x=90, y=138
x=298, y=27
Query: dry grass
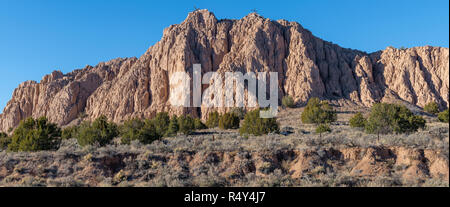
x=169, y=162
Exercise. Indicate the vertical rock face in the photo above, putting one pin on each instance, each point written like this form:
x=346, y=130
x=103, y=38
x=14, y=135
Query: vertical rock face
x=307, y=67
x=61, y=98
x=417, y=75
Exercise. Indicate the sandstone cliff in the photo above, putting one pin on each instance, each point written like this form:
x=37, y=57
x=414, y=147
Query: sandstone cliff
x=307, y=66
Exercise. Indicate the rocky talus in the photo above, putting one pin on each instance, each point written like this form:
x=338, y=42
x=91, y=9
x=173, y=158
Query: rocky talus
x=307, y=66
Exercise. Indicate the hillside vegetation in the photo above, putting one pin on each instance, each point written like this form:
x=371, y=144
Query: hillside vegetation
x=293, y=154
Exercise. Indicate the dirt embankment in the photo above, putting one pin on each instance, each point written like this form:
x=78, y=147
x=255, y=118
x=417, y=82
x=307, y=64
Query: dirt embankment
x=287, y=167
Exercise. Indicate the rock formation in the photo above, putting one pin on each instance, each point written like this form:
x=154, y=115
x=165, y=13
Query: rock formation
x=307, y=66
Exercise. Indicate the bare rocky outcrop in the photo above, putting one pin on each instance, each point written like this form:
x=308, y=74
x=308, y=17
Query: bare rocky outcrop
x=61, y=98
x=307, y=66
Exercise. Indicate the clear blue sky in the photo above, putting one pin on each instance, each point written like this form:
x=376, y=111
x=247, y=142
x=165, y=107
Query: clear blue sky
x=39, y=36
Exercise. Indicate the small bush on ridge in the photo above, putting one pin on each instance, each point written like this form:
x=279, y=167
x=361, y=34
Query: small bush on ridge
x=69, y=132
x=358, y=121
x=35, y=135
x=5, y=140
x=161, y=123
x=239, y=112
x=318, y=112
x=391, y=118
x=254, y=124
x=100, y=132
x=229, y=121
x=186, y=124
x=288, y=102
x=198, y=124
x=213, y=120
x=173, y=127
x=137, y=129
x=431, y=108
x=443, y=116
x=322, y=128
